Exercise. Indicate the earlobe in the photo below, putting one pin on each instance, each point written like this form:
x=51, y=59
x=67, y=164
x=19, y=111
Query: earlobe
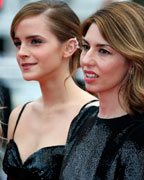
x=131, y=72
x=70, y=47
x=131, y=68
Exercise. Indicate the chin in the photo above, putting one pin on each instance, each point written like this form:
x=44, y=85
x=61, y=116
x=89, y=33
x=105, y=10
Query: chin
x=28, y=78
x=90, y=90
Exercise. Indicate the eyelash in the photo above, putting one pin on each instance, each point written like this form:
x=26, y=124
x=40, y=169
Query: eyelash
x=18, y=43
x=104, y=51
x=86, y=47
x=33, y=42
x=36, y=41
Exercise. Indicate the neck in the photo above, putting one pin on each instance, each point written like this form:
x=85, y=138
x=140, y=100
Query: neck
x=110, y=106
x=56, y=92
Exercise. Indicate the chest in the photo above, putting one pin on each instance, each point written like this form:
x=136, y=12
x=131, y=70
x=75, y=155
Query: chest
x=42, y=130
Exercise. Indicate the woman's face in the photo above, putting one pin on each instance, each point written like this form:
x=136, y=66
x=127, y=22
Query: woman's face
x=39, y=53
x=104, y=68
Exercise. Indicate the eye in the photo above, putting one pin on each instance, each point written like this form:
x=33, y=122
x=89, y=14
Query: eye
x=85, y=47
x=104, y=51
x=36, y=41
x=17, y=43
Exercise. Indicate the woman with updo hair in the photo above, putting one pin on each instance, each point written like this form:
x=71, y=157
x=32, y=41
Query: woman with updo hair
x=47, y=36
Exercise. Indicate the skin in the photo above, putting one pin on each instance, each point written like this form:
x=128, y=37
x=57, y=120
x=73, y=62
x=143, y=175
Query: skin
x=104, y=70
x=37, y=45
x=45, y=122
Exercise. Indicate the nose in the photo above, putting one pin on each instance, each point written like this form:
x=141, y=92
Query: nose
x=22, y=51
x=87, y=58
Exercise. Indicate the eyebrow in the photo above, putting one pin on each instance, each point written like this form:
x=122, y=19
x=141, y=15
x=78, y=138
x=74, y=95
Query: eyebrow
x=97, y=45
x=29, y=37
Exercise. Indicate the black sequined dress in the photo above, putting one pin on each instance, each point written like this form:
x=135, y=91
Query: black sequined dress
x=105, y=149
x=44, y=164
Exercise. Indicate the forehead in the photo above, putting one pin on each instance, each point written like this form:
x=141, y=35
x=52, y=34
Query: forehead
x=94, y=35
x=32, y=24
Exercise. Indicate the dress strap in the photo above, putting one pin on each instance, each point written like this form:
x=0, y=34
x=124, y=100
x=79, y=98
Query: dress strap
x=94, y=100
x=19, y=117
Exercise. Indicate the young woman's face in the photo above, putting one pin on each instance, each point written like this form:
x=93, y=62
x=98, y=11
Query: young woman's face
x=39, y=53
x=104, y=68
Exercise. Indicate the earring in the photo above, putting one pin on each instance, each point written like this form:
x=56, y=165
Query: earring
x=131, y=73
x=76, y=43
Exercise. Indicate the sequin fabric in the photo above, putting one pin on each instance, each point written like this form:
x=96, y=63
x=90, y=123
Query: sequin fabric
x=44, y=164
x=105, y=149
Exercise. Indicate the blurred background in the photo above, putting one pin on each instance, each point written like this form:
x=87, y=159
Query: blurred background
x=13, y=89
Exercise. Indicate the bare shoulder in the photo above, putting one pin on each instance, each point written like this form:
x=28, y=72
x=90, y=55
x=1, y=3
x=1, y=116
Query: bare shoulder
x=12, y=120
x=30, y=107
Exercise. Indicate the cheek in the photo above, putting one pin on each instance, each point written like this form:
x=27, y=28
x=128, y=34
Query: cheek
x=105, y=68
x=81, y=59
x=115, y=73
x=17, y=58
x=116, y=66
x=41, y=57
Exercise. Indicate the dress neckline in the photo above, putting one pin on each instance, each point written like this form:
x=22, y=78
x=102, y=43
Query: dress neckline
x=36, y=152
x=113, y=118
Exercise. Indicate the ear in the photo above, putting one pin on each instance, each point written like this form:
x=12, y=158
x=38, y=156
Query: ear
x=131, y=68
x=70, y=47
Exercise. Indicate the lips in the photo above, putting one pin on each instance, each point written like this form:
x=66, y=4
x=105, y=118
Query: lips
x=27, y=66
x=90, y=76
